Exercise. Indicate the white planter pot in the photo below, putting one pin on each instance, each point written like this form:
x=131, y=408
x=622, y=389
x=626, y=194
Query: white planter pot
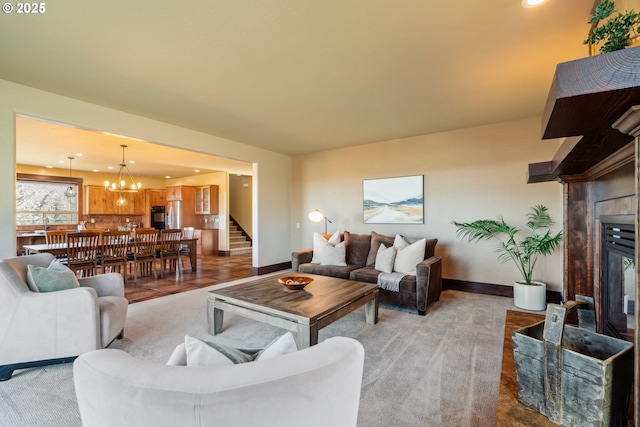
x=530, y=297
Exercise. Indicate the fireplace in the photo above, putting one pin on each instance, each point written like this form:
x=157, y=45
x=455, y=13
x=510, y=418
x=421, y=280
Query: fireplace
x=594, y=104
x=618, y=280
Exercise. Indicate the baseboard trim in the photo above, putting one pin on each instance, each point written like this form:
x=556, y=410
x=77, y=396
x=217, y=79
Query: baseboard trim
x=491, y=289
x=257, y=271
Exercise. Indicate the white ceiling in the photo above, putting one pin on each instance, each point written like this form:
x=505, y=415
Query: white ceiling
x=45, y=144
x=299, y=76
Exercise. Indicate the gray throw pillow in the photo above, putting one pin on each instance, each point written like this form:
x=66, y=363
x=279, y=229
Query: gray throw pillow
x=56, y=277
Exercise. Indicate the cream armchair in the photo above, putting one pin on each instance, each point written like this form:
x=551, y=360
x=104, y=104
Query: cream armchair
x=317, y=386
x=39, y=329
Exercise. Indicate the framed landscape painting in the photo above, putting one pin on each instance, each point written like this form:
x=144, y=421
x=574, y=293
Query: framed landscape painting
x=393, y=200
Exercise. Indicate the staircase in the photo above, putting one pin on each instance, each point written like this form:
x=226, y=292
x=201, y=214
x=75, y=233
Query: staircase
x=239, y=242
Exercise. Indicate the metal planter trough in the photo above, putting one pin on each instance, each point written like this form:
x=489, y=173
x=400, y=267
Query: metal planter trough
x=573, y=376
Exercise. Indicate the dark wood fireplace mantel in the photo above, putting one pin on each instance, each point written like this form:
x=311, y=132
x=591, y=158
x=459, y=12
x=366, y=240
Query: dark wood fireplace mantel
x=586, y=97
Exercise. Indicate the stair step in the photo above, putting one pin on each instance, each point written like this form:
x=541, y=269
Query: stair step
x=240, y=245
x=238, y=242
x=240, y=251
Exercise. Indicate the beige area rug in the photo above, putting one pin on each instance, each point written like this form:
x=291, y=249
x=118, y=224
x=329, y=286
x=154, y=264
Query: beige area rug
x=442, y=369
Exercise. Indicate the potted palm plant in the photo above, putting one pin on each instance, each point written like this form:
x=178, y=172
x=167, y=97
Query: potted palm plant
x=527, y=293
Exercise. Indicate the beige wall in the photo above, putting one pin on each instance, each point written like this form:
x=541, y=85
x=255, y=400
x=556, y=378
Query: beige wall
x=272, y=205
x=468, y=174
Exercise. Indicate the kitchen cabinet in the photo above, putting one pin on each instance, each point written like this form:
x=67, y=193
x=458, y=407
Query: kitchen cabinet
x=174, y=193
x=156, y=197
x=135, y=203
x=94, y=200
x=207, y=199
x=188, y=206
x=209, y=242
x=99, y=201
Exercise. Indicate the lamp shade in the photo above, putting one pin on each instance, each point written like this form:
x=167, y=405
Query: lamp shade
x=532, y=3
x=316, y=216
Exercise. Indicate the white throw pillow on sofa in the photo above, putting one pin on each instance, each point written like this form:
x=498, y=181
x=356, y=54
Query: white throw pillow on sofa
x=319, y=243
x=284, y=344
x=385, y=258
x=334, y=255
x=205, y=353
x=408, y=255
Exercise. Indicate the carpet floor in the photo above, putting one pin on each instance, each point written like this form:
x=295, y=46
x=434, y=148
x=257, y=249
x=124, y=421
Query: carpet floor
x=442, y=369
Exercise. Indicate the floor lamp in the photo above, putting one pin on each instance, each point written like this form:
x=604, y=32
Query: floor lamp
x=317, y=216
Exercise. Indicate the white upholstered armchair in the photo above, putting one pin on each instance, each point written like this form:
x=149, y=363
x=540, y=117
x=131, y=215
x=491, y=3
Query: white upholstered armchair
x=41, y=328
x=317, y=386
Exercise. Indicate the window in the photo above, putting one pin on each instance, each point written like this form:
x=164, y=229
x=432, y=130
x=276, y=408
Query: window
x=43, y=201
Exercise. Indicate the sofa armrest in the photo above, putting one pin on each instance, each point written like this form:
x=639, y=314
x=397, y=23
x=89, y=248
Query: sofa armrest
x=301, y=256
x=428, y=282
x=109, y=284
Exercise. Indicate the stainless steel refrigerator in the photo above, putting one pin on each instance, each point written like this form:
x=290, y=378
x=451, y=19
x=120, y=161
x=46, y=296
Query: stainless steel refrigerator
x=174, y=214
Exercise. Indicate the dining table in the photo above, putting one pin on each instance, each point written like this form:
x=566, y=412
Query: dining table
x=56, y=249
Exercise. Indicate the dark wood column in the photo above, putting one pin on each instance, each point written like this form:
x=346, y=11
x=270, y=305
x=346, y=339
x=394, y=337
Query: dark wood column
x=578, y=250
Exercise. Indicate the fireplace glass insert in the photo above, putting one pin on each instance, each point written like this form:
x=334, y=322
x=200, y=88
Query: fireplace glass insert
x=619, y=280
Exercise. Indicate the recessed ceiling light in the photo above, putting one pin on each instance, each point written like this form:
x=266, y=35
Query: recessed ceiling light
x=61, y=161
x=49, y=167
x=168, y=177
x=109, y=167
x=95, y=170
x=532, y=3
x=132, y=161
x=196, y=170
x=79, y=154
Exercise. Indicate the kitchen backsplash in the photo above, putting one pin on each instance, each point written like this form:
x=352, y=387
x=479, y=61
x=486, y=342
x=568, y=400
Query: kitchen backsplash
x=207, y=222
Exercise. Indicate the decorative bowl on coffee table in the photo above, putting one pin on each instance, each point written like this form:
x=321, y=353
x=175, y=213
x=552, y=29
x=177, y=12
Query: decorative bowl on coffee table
x=295, y=283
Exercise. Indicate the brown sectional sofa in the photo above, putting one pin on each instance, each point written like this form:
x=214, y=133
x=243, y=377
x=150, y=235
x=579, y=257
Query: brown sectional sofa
x=416, y=292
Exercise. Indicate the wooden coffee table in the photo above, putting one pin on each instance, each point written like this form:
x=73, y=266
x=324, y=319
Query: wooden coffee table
x=305, y=312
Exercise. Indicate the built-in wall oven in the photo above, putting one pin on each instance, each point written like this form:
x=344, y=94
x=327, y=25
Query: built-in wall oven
x=158, y=217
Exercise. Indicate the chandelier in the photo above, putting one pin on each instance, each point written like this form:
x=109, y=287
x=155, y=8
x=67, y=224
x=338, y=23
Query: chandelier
x=125, y=181
x=70, y=191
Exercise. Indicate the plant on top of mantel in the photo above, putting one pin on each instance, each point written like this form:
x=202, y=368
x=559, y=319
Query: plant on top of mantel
x=524, y=253
x=616, y=31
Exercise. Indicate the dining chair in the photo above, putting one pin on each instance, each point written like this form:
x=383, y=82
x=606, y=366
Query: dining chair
x=82, y=253
x=187, y=233
x=93, y=230
x=144, y=229
x=57, y=237
x=143, y=252
x=169, y=249
x=113, y=254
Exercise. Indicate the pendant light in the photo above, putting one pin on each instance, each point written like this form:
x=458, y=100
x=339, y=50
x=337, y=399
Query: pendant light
x=70, y=191
x=125, y=181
